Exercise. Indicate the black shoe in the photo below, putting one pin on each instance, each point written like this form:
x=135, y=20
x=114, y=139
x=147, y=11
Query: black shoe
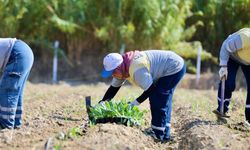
x=151, y=133
x=1, y=127
x=166, y=140
x=17, y=127
x=220, y=115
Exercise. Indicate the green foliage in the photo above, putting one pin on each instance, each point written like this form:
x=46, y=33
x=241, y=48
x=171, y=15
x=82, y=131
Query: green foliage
x=218, y=18
x=190, y=67
x=58, y=147
x=139, y=24
x=117, y=109
x=72, y=133
x=189, y=52
x=136, y=23
x=64, y=26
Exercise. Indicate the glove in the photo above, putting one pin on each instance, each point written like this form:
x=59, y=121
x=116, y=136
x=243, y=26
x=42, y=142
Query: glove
x=134, y=103
x=102, y=103
x=223, y=72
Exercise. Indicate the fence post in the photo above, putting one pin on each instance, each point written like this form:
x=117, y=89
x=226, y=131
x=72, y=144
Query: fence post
x=55, y=62
x=198, y=65
x=122, y=49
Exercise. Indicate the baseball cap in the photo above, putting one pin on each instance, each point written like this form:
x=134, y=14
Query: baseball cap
x=110, y=63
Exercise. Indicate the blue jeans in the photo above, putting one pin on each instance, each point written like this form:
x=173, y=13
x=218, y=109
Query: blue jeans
x=12, y=85
x=161, y=104
x=233, y=67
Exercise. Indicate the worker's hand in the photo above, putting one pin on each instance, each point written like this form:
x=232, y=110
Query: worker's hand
x=102, y=103
x=223, y=73
x=133, y=103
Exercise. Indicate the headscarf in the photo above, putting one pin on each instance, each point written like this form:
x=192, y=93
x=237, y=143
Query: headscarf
x=122, y=71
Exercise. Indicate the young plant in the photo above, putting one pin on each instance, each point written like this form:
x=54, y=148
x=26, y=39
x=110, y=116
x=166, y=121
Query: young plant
x=121, y=111
x=72, y=133
x=58, y=147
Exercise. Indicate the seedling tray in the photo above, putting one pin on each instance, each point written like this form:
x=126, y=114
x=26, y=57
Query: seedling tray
x=118, y=120
x=119, y=113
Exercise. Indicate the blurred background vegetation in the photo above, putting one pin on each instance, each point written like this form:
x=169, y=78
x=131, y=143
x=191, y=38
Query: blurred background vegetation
x=88, y=29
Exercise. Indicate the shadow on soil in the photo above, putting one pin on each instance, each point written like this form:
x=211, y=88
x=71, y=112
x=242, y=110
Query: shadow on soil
x=65, y=118
x=199, y=122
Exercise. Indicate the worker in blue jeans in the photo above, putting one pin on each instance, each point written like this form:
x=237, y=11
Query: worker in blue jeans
x=157, y=72
x=234, y=54
x=161, y=103
x=16, y=60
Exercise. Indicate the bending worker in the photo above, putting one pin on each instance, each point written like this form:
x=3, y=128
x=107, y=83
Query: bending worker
x=157, y=73
x=235, y=53
x=16, y=59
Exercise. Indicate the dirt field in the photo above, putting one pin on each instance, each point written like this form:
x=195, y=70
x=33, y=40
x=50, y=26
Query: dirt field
x=53, y=110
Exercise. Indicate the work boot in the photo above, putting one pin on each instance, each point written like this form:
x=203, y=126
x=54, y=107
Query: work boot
x=1, y=127
x=220, y=115
x=156, y=138
x=17, y=127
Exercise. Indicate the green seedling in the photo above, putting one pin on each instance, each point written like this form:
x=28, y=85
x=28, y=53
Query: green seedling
x=73, y=133
x=58, y=147
x=130, y=115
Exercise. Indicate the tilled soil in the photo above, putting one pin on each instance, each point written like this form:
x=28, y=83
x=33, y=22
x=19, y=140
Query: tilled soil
x=51, y=110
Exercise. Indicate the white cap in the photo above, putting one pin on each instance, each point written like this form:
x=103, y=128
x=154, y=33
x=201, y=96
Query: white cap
x=111, y=62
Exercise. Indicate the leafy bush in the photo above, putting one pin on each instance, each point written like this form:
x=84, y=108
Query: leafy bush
x=218, y=18
x=189, y=51
x=93, y=25
x=130, y=116
x=139, y=24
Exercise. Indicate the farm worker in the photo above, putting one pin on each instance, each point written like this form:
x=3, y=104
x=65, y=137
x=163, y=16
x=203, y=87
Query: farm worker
x=16, y=59
x=235, y=53
x=157, y=72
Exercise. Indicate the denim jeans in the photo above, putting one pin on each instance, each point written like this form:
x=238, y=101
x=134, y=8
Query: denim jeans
x=161, y=104
x=12, y=85
x=233, y=67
